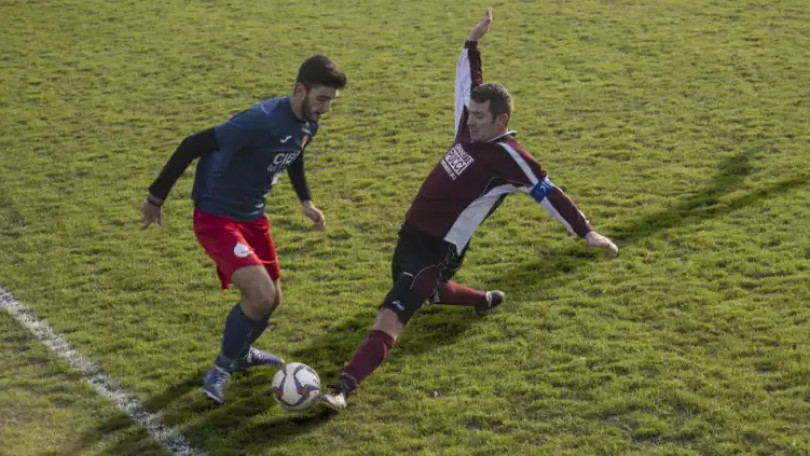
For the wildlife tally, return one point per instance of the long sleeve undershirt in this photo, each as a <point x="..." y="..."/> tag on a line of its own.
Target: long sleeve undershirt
<point x="204" y="142"/>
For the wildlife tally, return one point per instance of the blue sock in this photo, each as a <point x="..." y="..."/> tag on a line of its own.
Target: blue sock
<point x="258" y="329"/>
<point x="237" y="337"/>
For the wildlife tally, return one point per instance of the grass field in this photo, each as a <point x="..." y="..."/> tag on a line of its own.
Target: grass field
<point x="680" y="127"/>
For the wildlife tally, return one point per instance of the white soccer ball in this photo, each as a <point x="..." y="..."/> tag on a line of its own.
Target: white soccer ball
<point x="296" y="386"/>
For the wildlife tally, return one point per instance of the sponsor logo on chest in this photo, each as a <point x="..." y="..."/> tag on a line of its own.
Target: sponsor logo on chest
<point x="282" y="159"/>
<point x="455" y="161"/>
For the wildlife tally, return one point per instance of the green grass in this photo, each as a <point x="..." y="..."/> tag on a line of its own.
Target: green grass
<point x="679" y="127"/>
<point x="46" y="409"/>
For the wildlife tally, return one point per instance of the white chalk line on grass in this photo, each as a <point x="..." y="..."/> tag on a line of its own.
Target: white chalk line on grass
<point x="102" y="382"/>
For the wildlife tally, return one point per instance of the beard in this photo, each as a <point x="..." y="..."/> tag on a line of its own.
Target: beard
<point x="306" y="109"/>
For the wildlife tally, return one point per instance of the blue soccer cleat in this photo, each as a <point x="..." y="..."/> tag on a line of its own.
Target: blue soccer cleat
<point x="255" y="357"/>
<point x="214" y="384"/>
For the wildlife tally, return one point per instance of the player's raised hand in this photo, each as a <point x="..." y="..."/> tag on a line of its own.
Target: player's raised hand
<point x="482" y="28"/>
<point x="314" y="214"/>
<point x="151" y="212"/>
<point x="595" y="239"/>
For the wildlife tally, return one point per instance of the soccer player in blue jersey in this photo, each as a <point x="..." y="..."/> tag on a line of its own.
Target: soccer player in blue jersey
<point x="240" y="161"/>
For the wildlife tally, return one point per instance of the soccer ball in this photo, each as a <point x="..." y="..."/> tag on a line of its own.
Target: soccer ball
<point x="296" y="386"/>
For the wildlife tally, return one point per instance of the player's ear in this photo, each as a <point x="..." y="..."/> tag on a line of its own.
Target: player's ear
<point x="502" y="120"/>
<point x="299" y="89"/>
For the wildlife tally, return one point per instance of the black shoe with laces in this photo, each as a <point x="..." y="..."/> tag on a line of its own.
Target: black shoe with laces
<point x="494" y="299"/>
<point x="336" y="398"/>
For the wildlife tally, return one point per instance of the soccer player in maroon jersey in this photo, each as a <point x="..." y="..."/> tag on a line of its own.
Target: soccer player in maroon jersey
<point x="484" y="165"/>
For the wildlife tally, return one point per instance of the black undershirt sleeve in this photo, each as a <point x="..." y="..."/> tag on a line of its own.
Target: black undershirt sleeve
<point x="298" y="179"/>
<point x="192" y="147"/>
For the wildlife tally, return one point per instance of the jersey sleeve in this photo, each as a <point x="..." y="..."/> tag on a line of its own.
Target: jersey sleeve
<point x="468" y="76"/>
<point x="240" y="130"/>
<point x="192" y="147"/>
<point x="298" y="178"/>
<point x="523" y="170"/>
<point x="557" y="203"/>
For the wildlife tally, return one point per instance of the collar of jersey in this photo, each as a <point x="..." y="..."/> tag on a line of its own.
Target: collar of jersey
<point x="505" y="137"/>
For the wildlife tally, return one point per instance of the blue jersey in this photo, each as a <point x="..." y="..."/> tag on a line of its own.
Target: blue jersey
<point x="255" y="145"/>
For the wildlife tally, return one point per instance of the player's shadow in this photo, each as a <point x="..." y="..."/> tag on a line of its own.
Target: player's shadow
<point x="205" y="425"/>
<point x="430" y="328"/>
<point x="703" y="204"/>
<point x="436" y="326"/>
<point x="707" y="203"/>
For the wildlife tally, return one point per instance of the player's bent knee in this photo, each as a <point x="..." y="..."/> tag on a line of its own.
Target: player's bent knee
<point x="257" y="308"/>
<point x="259" y="294"/>
<point x="277" y="300"/>
<point x="259" y="302"/>
<point x="402" y="300"/>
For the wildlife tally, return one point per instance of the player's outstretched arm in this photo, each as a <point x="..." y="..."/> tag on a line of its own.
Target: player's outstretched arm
<point x="469" y="75"/>
<point x="557" y="203"/>
<point x="595" y="239"/>
<point x="482" y="28"/>
<point x="192" y="147"/>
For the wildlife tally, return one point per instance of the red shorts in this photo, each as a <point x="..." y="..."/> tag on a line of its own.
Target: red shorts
<point x="233" y="244"/>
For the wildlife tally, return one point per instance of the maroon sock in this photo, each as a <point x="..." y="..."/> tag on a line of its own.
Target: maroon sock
<point x="454" y="294"/>
<point x="369" y="356"/>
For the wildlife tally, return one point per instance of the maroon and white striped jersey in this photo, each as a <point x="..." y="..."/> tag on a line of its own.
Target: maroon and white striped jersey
<point x="473" y="178"/>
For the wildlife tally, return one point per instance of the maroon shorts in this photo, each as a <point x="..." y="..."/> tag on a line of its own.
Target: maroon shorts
<point x="233" y="244"/>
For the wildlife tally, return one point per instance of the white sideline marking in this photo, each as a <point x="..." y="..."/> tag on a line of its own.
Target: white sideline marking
<point x="101" y="381"/>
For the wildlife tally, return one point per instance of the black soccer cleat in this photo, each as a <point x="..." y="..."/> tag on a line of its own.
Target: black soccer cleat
<point x="494" y="299"/>
<point x="336" y="399"/>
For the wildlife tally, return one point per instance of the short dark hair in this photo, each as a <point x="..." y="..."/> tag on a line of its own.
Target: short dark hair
<point x="500" y="100"/>
<point x="320" y="70"/>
